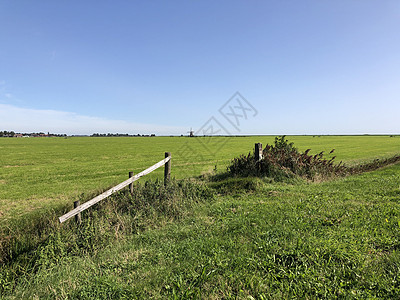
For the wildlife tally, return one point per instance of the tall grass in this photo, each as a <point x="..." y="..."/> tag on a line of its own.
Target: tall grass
<point x="283" y="160"/>
<point x="44" y="243"/>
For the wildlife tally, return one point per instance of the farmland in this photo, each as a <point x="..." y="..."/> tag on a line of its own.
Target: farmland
<point x="47" y="173"/>
<point x="211" y="239"/>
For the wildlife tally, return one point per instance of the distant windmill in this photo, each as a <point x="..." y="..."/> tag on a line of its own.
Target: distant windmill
<point x="191" y="132"/>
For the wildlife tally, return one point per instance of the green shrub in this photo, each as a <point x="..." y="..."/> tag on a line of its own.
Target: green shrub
<point x="282" y="160"/>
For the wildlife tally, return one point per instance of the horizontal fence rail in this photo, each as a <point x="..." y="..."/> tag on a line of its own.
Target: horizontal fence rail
<point x="118" y="187"/>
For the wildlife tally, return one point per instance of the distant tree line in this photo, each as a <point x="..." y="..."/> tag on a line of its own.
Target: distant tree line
<point x="119" y="134"/>
<point x="6" y="133"/>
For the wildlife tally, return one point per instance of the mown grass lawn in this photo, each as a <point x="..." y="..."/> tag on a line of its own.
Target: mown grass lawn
<point x="256" y="239"/>
<point x="39" y="174"/>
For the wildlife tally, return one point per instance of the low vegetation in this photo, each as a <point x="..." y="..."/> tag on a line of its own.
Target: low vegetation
<point x="41" y="174"/>
<point x="283" y="160"/>
<point x="124" y="214"/>
<point x="220" y="237"/>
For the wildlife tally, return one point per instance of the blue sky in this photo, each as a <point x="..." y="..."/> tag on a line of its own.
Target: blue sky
<point x="306" y="67"/>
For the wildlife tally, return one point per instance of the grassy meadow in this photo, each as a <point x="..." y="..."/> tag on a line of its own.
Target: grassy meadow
<point x="210" y="237"/>
<point x="48" y="173"/>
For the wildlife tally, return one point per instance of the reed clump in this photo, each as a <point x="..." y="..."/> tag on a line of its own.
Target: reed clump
<point x="283" y="160"/>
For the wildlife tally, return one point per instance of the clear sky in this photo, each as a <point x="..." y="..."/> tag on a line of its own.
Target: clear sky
<point x="306" y="67"/>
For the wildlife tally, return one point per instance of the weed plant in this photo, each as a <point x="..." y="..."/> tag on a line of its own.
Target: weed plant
<point x="282" y="161"/>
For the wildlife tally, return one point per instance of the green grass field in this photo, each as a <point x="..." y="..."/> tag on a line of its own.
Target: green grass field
<point x="234" y="238"/>
<point x="47" y="173"/>
<point x="254" y="239"/>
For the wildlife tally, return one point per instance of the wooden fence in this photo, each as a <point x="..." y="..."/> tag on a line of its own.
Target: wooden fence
<point x="79" y="208"/>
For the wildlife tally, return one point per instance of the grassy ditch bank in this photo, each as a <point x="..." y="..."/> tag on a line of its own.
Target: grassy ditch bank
<point x="258" y="238"/>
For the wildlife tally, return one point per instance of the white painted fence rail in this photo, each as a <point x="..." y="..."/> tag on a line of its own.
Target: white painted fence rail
<point x="86" y="205"/>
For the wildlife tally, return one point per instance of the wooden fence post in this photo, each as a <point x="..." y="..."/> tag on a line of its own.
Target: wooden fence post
<point x="78" y="219"/>
<point x="131" y="184"/>
<point x="167" y="169"/>
<point x="258" y="152"/>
